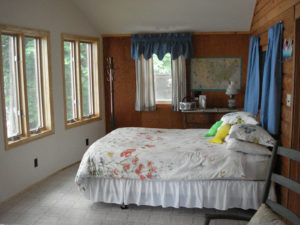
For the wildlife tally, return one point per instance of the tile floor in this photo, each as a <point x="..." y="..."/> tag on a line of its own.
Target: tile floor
<point x="58" y="202"/>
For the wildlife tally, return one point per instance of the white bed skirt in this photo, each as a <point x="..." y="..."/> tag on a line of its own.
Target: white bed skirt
<point x="218" y="194"/>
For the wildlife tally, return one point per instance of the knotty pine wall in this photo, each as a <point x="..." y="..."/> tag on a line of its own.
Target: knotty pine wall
<point x="266" y="14"/>
<point x="206" y="45"/>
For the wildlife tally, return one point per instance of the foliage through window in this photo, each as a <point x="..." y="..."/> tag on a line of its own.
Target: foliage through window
<point x="81" y="80"/>
<point x="34" y="83"/>
<point x="163" y="78"/>
<point x="86" y="79"/>
<point x="11" y="85"/>
<point x="26" y="97"/>
<point x="70" y="81"/>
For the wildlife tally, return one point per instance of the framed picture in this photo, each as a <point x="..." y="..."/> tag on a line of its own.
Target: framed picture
<point x="215" y="73"/>
<point x="287" y="50"/>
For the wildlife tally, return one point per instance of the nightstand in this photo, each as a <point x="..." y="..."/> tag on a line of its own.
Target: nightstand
<point x="204" y="118"/>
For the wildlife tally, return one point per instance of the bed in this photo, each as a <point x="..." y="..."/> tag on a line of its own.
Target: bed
<point x="170" y="168"/>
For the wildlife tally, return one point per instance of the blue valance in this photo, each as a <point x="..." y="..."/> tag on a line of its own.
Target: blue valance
<point x="160" y="44"/>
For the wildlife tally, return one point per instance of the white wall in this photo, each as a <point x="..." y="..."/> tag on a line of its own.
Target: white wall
<point x="65" y="146"/>
<point x="155" y="16"/>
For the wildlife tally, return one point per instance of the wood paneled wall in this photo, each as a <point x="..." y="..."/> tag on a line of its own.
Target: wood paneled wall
<point x="222" y="45"/>
<point x="206" y="45"/>
<point x="124" y="83"/>
<point x="295" y="167"/>
<point x="266" y="14"/>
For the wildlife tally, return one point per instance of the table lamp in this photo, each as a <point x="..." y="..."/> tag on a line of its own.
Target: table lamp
<point x="231" y="91"/>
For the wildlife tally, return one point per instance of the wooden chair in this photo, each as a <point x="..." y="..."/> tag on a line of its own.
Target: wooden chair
<point x="272" y="177"/>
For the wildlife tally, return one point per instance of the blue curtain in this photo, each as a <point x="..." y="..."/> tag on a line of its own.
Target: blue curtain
<point x="272" y="78"/>
<point x="175" y="43"/>
<point x="253" y="78"/>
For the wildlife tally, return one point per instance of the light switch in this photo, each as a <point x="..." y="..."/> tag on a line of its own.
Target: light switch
<point x="288" y="100"/>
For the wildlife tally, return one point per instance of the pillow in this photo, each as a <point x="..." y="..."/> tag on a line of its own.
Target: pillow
<point x="246" y="147"/>
<point x="227" y="138"/>
<point x="213" y="130"/>
<point x="265" y="215"/>
<point x="239" y="118"/>
<point x="251" y="133"/>
<point x="221" y="134"/>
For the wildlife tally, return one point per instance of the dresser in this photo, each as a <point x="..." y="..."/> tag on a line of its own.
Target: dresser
<point x="204" y="118"/>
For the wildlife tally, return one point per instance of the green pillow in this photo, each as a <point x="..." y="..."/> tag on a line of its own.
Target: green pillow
<point x="213" y="130"/>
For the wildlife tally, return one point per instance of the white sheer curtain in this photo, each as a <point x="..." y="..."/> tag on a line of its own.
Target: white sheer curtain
<point x="145" y="96"/>
<point x="178" y="81"/>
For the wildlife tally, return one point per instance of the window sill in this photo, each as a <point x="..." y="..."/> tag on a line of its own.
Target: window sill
<point x="32" y="137"/>
<point x="82" y="122"/>
<point x="163" y="103"/>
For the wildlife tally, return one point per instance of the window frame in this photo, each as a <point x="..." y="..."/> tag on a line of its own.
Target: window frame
<point x="95" y="53"/>
<point x="46" y="79"/>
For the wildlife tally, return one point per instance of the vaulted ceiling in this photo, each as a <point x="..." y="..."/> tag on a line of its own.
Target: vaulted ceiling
<point x="136" y="16"/>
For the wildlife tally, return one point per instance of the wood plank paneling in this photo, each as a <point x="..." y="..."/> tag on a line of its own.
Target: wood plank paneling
<point x="206" y="45"/>
<point x="287" y="81"/>
<point x="266" y="14"/>
<point x="295" y="167"/>
<point x="124" y="83"/>
<point x="162" y="118"/>
<point x="297" y="11"/>
<point x="260" y="6"/>
<point x="286" y="113"/>
<point x="288" y="67"/>
<point x="285" y="137"/>
<point x="260" y="13"/>
<point x="223" y="46"/>
<point x="277" y="9"/>
<point x="286" y="17"/>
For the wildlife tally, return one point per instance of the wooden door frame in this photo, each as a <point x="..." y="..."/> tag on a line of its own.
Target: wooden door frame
<point x="294" y="167"/>
<point x="296" y="100"/>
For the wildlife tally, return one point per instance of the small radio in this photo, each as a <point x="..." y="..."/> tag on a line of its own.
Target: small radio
<point x="187" y="106"/>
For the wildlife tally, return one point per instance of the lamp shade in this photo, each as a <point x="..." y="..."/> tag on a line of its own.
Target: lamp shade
<point x="231" y="89"/>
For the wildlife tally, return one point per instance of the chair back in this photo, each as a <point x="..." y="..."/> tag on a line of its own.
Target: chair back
<point x="283" y="181"/>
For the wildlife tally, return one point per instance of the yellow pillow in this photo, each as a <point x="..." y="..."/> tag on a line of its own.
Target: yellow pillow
<point x="221" y="134"/>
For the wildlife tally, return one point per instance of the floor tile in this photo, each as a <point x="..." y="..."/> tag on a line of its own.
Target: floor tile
<point x="57" y="201"/>
<point x="9" y="217"/>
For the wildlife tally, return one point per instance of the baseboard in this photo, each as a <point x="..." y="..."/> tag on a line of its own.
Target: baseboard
<point x="37" y="183"/>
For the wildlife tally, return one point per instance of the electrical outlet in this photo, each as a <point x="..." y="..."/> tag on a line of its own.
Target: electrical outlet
<point x="36" y="164"/>
<point x="288" y="100"/>
<point x="86" y="141"/>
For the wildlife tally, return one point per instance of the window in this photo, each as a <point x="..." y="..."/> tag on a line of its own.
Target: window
<point x="81" y="79"/>
<point x="163" y="79"/>
<point x="25" y="79"/>
<point x="34" y="83"/>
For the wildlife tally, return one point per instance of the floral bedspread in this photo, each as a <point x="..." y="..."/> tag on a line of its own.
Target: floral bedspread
<point x="159" y="154"/>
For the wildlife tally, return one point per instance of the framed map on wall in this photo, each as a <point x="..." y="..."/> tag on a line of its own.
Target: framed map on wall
<point x="214" y="74"/>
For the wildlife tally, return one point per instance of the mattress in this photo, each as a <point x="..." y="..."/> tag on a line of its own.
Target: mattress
<point x="256" y="166"/>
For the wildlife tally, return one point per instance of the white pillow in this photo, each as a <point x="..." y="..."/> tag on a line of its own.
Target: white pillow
<point x="265" y="215"/>
<point x="239" y="118"/>
<point x="251" y="133"/>
<point x="247" y="147"/>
